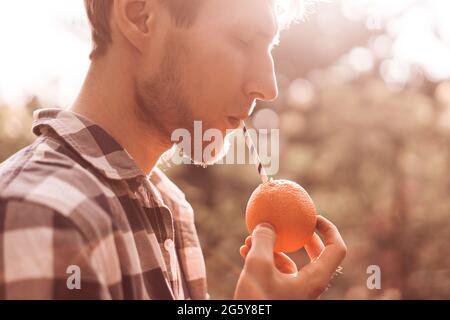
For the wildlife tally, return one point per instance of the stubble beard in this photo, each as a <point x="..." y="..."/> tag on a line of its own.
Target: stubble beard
<point x="163" y="106"/>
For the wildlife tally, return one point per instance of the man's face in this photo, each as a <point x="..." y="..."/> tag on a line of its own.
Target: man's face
<point x="213" y="71"/>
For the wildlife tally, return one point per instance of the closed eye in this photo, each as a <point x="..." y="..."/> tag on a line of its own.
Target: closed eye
<point x="244" y="42"/>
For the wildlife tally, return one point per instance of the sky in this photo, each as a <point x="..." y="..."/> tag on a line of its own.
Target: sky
<point x="44" y="45"/>
<point x="44" y="49"/>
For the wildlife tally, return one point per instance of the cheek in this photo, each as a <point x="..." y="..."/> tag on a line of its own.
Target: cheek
<point x="228" y="67"/>
<point x="221" y="73"/>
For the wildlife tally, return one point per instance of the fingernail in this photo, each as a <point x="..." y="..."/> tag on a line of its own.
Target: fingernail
<point x="264" y="225"/>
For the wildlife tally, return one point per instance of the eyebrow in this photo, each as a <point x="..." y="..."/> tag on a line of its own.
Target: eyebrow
<point x="271" y="32"/>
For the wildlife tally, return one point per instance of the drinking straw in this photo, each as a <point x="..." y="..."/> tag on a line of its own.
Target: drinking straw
<point x="254" y="154"/>
<point x="262" y="172"/>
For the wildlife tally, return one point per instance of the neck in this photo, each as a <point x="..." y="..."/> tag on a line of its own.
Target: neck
<point x="107" y="99"/>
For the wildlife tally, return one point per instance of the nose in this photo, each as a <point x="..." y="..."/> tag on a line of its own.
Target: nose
<point x="262" y="83"/>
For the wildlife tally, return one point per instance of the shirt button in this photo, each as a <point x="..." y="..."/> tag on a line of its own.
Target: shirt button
<point x="168" y="244"/>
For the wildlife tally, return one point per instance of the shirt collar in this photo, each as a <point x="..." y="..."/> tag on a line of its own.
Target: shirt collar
<point x="90" y="141"/>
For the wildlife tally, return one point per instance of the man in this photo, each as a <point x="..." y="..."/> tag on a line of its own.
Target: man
<point x="85" y="213"/>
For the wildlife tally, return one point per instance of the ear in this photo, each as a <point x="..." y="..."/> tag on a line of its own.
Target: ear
<point x="135" y="20"/>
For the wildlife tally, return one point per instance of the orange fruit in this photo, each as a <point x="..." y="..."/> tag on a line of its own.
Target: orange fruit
<point x="288" y="208"/>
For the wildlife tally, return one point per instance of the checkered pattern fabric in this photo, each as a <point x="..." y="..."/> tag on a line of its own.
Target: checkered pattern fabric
<point x="76" y="199"/>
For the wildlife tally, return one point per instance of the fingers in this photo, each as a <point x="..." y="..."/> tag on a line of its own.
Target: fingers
<point x="263" y="242"/>
<point x="335" y="248"/>
<point x="314" y="247"/>
<point x="246" y="247"/>
<point x="244" y="251"/>
<point x="260" y="258"/>
<point x="327" y="257"/>
<point x="318" y="274"/>
<point x="283" y="263"/>
<point x="248" y="241"/>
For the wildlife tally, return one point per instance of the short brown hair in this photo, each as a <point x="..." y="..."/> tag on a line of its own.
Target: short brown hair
<point x="99" y="14"/>
<point x="183" y="14"/>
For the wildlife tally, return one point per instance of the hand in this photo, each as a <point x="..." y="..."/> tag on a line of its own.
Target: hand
<point x="270" y="276"/>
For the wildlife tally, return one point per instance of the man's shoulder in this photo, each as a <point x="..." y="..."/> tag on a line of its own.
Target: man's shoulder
<point x="48" y="173"/>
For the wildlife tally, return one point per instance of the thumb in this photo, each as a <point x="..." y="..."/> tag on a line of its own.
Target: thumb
<point x="263" y="242"/>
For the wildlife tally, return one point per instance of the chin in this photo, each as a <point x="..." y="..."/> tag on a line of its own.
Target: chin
<point x="211" y="158"/>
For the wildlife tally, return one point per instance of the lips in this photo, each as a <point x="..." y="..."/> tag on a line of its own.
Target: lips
<point x="241" y="117"/>
<point x="236" y="120"/>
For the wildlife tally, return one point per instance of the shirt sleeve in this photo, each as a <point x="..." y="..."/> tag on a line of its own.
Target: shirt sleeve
<point x="44" y="255"/>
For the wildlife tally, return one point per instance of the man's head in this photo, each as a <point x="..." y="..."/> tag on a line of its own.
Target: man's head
<point x="191" y="60"/>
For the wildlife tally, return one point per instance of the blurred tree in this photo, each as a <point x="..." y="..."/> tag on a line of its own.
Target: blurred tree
<point x="373" y="156"/>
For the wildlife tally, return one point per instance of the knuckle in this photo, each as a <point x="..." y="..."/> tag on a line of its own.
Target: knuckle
<point x="342" y="251"/>
<point x="264" y="232"/>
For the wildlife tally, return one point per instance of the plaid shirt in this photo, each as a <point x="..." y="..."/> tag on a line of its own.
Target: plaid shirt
<point x="74" y="206"/>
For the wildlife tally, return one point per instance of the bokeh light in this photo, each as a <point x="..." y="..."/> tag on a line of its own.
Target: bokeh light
<point x="364" y="120"/>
